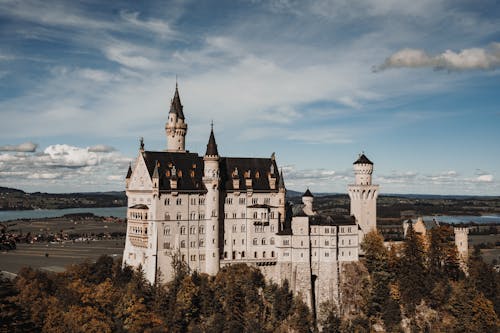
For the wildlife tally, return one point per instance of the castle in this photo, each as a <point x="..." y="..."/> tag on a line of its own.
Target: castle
<point x="214" y="211"/>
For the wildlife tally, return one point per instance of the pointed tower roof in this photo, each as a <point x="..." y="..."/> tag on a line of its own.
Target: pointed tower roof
<point x="308" y="194"/>
<point x="129" y="172"/>
<point x="212" y="145"/>
<point x="281" y="183"/>
<point x="363" y="160"/>
<point x="176" y="106"/>
<point x="155" y="172"/>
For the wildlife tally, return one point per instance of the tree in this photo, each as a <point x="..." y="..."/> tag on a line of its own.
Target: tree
<point x="412" y="274"/>
<point x="328" y="318"/>
<point x="485" y="278"/>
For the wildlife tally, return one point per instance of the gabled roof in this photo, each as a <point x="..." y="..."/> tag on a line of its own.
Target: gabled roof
<point x="331" y="220"/>
<point x="176" y="106"/>
<point x="257" y="168"/>
<point x="363" y="160"/>
<point x="139" y="206"/>
<point x="186" y="168"/>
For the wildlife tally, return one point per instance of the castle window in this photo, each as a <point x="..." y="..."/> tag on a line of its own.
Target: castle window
<point x="264" y="254"/>
<point x="234" y="228"/>
<point x="192" y="244"/>
<point x="234" y="255"/>
<point x="183" y="257"/>
<point x="286" y="254"/>
<point x="327" y="230"/>
<point x="349" y="242"/>
<point x="167" y="216"/>
<point x="166" y="245"/>
<point x="243" y="254"/>
<point x="254" y="215"/>
<point x="271" y="215"/>
<point x="192" y="230"/>
<point x="263" y="216"/>
<point x="272" y="254"/>
<point x="302" y="255"/>
<point x="179" y="216"/>
<point x="242" y="242"/>
<point x="272" y="227"/>
<point x="342" y="242"/>
<point x="234" y="215"/>
<point x="255" y="241"/>
<point x="349" y="253"/>
<point x="201" y="230"/>
<point x="201" y="243"/>
<point x="327" y="254"/>
<point x="349" y="229"/>
<point x="166" y="231"/>
<point x="193" y="216"/>
<point x="271" y="241"/>
<point x="342" y="253"/>
<point x="255" y="201"/>
<point x="201" y="201"/>
<point x="201" y="216"/>
<point x="167" y="201"/>
<point x="225" y="254"/>
<point x="234" y="241"/>
<point x="327" y="243"/>
<point x="242" y="201"/>
<point x="255" y="254"/>
<point x="342" y="229"/>
<point x="225" y="215"/>
<point x="301" y="243"/>
<point x="202" y="257"/>
<point x="263" y="241"/>
<point x="213" y="213"/>
<point x="267" y="201"/>
<point x="229" y="201"/>
<point x="286" y="242"/>
<point x="183" y="230"/>
<point x="193" y="257"/>
<point x="242" y="215"/>
<point x="183" y="244"/>
<point x="193" y="201"/>
<point x="178" y="201"/>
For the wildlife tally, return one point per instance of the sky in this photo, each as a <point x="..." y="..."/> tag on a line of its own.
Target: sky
<point x="415" y="85"/>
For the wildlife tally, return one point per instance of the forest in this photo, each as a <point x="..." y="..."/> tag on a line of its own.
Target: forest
<point x="418" y="286"/>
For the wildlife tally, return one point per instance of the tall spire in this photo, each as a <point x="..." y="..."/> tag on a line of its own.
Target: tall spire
<point x="176" y="106"/>
<point x="212" y="145"/>
<point x="281" y="183"/>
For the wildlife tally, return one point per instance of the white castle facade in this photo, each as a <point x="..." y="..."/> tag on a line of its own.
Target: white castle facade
<point x="214" y="211"/>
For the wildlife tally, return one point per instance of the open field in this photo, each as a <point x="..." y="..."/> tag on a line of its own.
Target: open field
<point x="59" y="256"/>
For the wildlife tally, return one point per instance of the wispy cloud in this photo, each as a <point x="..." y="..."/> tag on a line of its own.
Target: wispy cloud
<point x="28" y="147"/>
<point x="466" y="59"/>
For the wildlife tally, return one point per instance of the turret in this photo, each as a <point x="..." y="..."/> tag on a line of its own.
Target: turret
<point x="176" y="128"/>
<point x="211" y="179"/>
<point x="307" y="200"/>
<point x="129" y="175"/>
<point x="363" y="195"/>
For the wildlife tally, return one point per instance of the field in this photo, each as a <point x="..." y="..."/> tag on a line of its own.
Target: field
<point x="55" y="257"/>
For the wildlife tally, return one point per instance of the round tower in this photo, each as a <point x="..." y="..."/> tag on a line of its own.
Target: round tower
<point x="307" y="200"/>
<point x="176" y="127"/>
<point x="363" y="195"/>
<point x="211" y="179"/>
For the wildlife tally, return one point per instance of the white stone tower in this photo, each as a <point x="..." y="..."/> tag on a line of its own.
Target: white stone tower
<point x="307" y="200"/>
<point x="176" y="127"/>
<point x="363" y="195"/>
<point x="462" y="243"/>
<point x="211" y="179"/>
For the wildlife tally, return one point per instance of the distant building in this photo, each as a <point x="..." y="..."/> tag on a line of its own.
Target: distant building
<point x="214" y="211"/>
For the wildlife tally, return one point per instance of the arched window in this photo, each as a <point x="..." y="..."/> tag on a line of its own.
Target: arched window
<point x="271" y="241"/>
<point x="183" y="230"/>
<point x="183" y="244"/>
<point x="167" y="216"/>
<point x="272" y="254"/>
<point x="264" y="254"/>
<point x="255" y="241"/>
<point x="263" y="241"/>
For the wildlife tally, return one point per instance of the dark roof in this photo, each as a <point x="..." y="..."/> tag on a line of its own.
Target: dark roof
<point x="129" y="172"/>
<point x="363" y="160"/>
<point x="261" y="206"/>
<point x="212" y="145"/>
<point x="281" y="183"/>
<point x="188" y="169"/>
<point x="257" y="168"/>
<point x="332" y="220"/>
<point x="139" y="206"/>
<point x="308" y="194"/>
<point x="176" y="106"/>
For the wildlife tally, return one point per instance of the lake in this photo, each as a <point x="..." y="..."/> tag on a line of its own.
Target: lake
<point x="455" y="219"/>
<point x="41" y="213"/>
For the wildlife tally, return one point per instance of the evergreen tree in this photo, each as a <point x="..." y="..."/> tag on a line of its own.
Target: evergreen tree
<point x="412" y="275"/>
<point x="329" y="319"/>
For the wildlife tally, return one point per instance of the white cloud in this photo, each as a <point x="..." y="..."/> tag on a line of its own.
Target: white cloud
<point x="157" y="26"/>
<point x="101" y="149"/>
<point x="28" y="147"/>
<point x="467" y="59"/>
<point x="485" y="178"/>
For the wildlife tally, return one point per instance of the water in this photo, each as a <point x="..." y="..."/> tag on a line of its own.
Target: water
<point x="455" y="219"/>
<point x="32" y="214"/>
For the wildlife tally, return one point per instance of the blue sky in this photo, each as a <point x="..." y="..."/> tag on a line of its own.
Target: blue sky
<point x="413" y="84"/>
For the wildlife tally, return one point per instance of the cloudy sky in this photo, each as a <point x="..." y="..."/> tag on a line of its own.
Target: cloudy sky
<point x="413" y="84"/>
